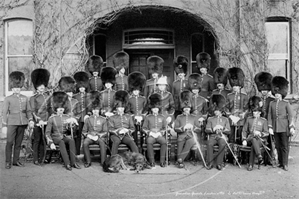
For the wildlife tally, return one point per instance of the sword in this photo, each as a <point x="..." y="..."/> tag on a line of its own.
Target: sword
<point x="199" y="148"/>
<point x="231" y="150"/>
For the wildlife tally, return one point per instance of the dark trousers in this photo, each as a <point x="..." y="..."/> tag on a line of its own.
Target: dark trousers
<point x="255" y="149"/>
<point x="86" y="150"/>
<point x="163" y="148"/>
<point x="62" y="148"/>
<point x="116" y="141"/>
<point x="15" y="134"/>
<point x="282" y="146"/>
<point x="210" y="149"/>
<point x="38" y="144"/>
<point x="184" y="146"/>
<point x="78" y="138"/>
<point x="238" y="131"/>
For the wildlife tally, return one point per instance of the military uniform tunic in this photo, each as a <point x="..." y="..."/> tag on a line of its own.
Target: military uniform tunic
<point x="95" y="84"/>
<point x="107" y="100"/>
<point x="207" y="85"/>
<point x="178" y="86"/>
<point x="121" y="82"/>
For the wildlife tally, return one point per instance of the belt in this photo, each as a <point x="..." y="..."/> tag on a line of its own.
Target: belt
<point x="203" y="89"/>
<point x="282" y="117"/>
<point x="12" y="112"/>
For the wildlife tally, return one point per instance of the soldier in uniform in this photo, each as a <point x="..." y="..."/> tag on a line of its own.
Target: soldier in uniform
<point x="207" y="81"/>
<point x="236" y="103"/>
<point x="155" y="127"/>
<point x="137" y="103"/>
<point x="94" y="65"/>
<point x="220" y="80"/>
<point x="263" y="82"/>
<point x="40" y="78"/>
<point x="82" y="86"/>
<point x="16" y="113"/>
<point x="121" y="124"/>
<point x="94" y="130"/>
<point x="108" y="77"/>
<point x="121" y="64"/>
<point x="180" y="66"/>
<point x="184" y="125"/>
<point x="216" y="127"/>
<point x="280" y="120"/>
<point x="254" y="130"/>
<point x="155" y="65"/>
<point x="58" y="130"/>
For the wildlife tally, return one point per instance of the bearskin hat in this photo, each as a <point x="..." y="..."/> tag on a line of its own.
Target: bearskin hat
<point x="155" y="64"/>
<point x="94" y="100"/>
<point x="121" y="60"/>
<point x="180" y="64"/>
<point x="108" y="74"/>
<point x="263" y="81"/>
<point x="40" y="76"/>
<point x="220" y="76"/>
<point x="136" y="81"/>
<point x="16" y="79"/>
<point x="217" y="102"/>
<point x="94" y="64"/>
<point x="203" y="60"/>
<point x="60" y="100"/>
<point x="121" y="98"/>
<point x="194" y="81"/>
<point x="280" y="85"/>
<point x="67" y="84"/>
<point x="185" y="99"/>
<point x="82" y="80"/>
<point x="154" y="101"/>
<point x="255" y="103"/>
<point x="236" y="77"/>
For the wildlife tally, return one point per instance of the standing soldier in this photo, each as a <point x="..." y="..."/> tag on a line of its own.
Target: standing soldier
<point x="59" y="129"/>
<point x="220" y="80"/>
<point x="254" y="130"/>
<point x="121" y="64"/>
<point x="155" y="127"/>
<point x="263" y="82"/>
<point x="280" y="120"/>
<point x="236" y="103"/>
<point x="207" y="81"/>
<point x="94" y="65"/>
<point x="121" y="124"/>
<point x="216" y="127"/>
<point x="184" y="125"/>
<point x="40" y="78"/>
<point x="137" y="103"/>
<point x="108" y="77"/>
<point x="155" y="65"/>
<point x="16" y="113"/>
<point x="82" y="85"/>
<point x="180" y="66"/>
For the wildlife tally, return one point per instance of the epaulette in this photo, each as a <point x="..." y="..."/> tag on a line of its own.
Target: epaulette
<point x="263" y="118"/>
<point x="209" y="75"/>
<point x="216" y="90"/>
<point x="285" y="100"/>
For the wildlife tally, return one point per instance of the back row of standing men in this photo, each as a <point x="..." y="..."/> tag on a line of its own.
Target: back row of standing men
<point x="109" y="88"/>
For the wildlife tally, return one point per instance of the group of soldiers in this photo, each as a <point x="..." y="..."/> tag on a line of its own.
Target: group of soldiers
<point x="104" y="106"/>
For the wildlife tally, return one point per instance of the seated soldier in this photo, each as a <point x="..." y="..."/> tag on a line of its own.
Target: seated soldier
<point x="216" y="127"/>
<point x="155" y="127"/>
<point x="255" y="128"/>
<point x="59" y="127"/>
<point x="184" y="125"/>
<point x="121" y="125"/>
<point x="94" y="131"/>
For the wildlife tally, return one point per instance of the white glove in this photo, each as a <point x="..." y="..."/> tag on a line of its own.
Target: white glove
<point x="169" y="119"/>
<point x="138" y="118"/>
<point x="109" y="114"/>
<point x="85" y="117"/>
<point x="201" y="119"/>
<point x="123" y="131"/>
<point x="257" y="133"/>
<point x="41" y="123"/>
<point x="52" y="146"/>
<point x="93" y="137"/>
<point x="155" y="134"/>
<point x="234" y="119"/>
<point x="292" y="131"/>
<point x="31" y="124"/>
<point x="271" y="132"/>
<point x="244" y="143"/>
<point x="188" y="126"/>
<point x="72" y="121"/>
<point x="218" y="127"/>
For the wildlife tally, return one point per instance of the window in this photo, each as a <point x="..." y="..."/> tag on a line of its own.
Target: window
<point x="197" y="46"/>
<point x="278" y="38"/>
<point x="100" y="46"/>
<point x="148" y="38"/>
<point x="18" y="51"/>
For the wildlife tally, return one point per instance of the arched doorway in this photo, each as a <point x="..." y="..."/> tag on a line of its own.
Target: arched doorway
<point x="155" y="30"/>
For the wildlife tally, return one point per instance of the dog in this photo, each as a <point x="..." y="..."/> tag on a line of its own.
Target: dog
<point x="27" y="144"/>
<point x="124" y="161"/>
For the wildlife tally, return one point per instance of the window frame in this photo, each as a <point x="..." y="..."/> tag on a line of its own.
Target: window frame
<point x="7" y="56"/>
<point x="281" y="56"/>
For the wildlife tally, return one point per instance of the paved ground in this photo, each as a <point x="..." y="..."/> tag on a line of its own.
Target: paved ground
<point x="53" y="181"/>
